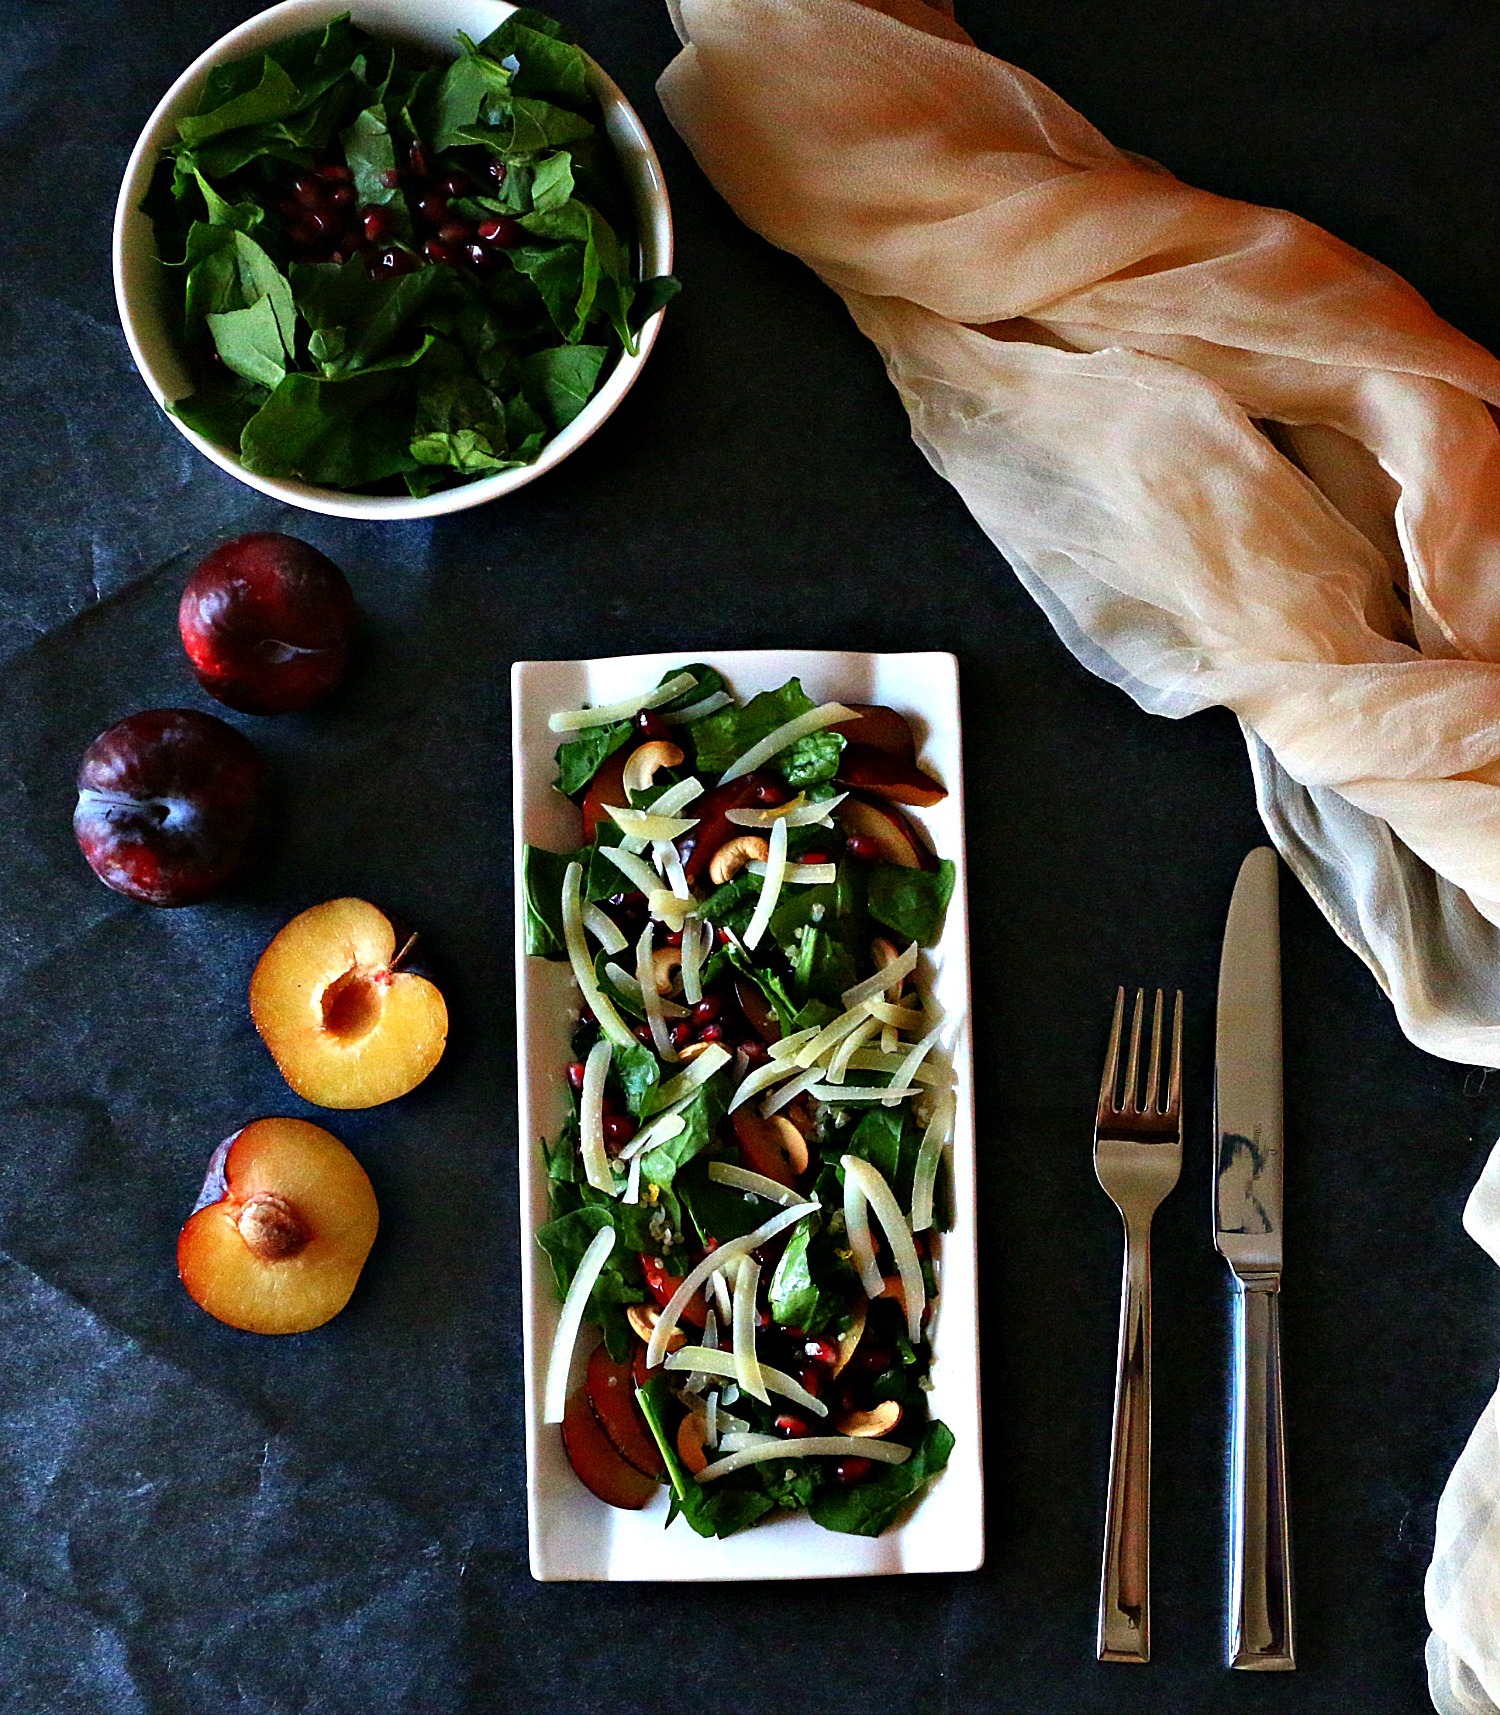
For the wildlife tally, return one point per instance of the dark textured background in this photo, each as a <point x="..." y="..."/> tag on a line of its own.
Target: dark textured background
<point x="195" y="1519"/>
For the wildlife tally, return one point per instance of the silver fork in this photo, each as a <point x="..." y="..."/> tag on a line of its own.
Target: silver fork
<point x="1137" y="1156"/>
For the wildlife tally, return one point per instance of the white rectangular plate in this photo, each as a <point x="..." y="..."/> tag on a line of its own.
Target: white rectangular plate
<point x="572" y="1534"/>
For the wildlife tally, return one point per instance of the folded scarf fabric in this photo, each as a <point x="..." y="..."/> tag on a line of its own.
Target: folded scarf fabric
<point x="1236" y="461"/>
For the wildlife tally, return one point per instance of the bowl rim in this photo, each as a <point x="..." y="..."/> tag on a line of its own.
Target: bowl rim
<point x="131" y="229"/>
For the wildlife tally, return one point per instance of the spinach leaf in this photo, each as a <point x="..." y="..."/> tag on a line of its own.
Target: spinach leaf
<point x="220" y="411"/>
<point x="565" y="1240"/>
<point x="793" y="1293"/>
<point x="274" y="97"/>
<point x="724" y="736"/>
<point x="889" y="1140"/>
<point x="581" y="757"/>
<point x="813" y="759"/>
<point x="542" y="881"/>
<point x="373" y="312"/>
<point x="639" y="1072"/>
<point x="707" y="682"/>
<point x="868" y="1507"/>
<point x="226" y="271"/>
<point x="371" y="155"/>
<point x="549" y="64"/>
<point x="910" y="901"/>
<point x="651" y="296"/>
<point x="823" y="967"/>
<point x="559" y="380"/>
<point x="717" y="1211"/>
<point x="249" y="342"/>
<point x="471" y="83"/>
<point x="715" y="1509"/>
<point x="552" y="182"/>
<point x="700" y="1117"/>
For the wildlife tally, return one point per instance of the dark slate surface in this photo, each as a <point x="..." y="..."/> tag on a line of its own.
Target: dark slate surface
<point x="199" y="1519"/>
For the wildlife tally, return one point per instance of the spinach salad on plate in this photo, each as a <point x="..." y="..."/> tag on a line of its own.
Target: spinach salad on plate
<point x="747" y="1194"/>
<point x="393" y="276"/>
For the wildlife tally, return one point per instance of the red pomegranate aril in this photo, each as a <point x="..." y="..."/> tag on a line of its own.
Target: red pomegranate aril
<point x="708" y="1009"/>
<point x="821" y="1351"/>
<point x="334" y="171"/>
<point x="769" y="792"/>
<point x="377" y="224"/>
<point x="575" y="1074"/>
<point x="811" y="1378"/>
<point x="723" y="936"/>
<point x="681" y="1033"/>
<point x="443" y="254"/>
<point x="456" y="185"/>
<point x="848" y="1472"/>
<point x="619" y="1129"/>
<point x="390" y="178"/>
<point x="342" y="196"/>
<point x="711" y="1033"/>
<point x="433" y="210"/>
<point x="479" y="258"/>
<point x="501" y="232"/>
<point x="815" y="857"/>
<point x="861" y="846"/>
<point x="874" y="1359"/>
<point x="789" y="1424"/>
<point x="456" y="232"/>
<point x="301" y="236"/>
<point x="756" y="1052"/>
<point x="289" y="208"/>
<point x="496" y="170"/>
<point x="308" y="192"/>
<point x="650" y="725"/>
<point x="643" y="1034"/>
<point x="416" y="159"/>
<point x="338" y="258"/>
<point x="318" y="222"/>
<point x="673" y="937"/>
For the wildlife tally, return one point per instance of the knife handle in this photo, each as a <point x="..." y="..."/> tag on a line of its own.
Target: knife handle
<point x="1260" y="1576"/>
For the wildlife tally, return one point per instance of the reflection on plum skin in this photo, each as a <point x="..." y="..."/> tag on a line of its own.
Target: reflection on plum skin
<point x="1241" y="1163"/>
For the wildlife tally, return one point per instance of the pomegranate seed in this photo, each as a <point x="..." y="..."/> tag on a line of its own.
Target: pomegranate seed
<point x="443" y="254"/>
<point x="377" y="224"/>
<point x="768" y="792"/>
<point x="390" y="178"/>
<point x="433" y="209"/>
<point x="342" y="196"/>
<point x="480" y="259"/>
<point x="416" y="159"/>
<point x="821" y="1351"/>
<point x="618" y="1128"/>
<point x="338" y="258"/>
<point x="301" y="236"/>
<point x="850" y="1471"/>
<point x="789" y="1424"/>
<point x="335" y="171"/>
<point x="396" y="262"/>
<point x="643" y="1034"/>
<point x="456" y="232"/>
<point x="756" y="1052"/>
<point x="575" y="1074"/>
<point x="711" y="1033"/>
<point x="723" y="937"/>
<point x="308" y="192"/>
<point x="681" y="1033"/>
<point x="289" y="208"/>
<point x="863" y="847"/>
<point x="317" y="222"/>
<point x="496" y="170"/>
<point x="708" y="1009"/>
<point x="501" y="232"/>
<point x="457" y="185"/>
<point x="674" y="937"/>
<point x="815" y="857"/>
<point x="874" y="1359"/>
<point x="811" y="1378"/>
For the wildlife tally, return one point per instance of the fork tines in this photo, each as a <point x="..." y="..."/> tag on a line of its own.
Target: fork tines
<point x="1116" y="1104"/>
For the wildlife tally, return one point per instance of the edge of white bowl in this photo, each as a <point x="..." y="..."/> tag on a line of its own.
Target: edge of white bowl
<point x="134" y="260"/>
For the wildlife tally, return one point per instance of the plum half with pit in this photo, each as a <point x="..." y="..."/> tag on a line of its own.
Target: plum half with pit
<point x="267" y="623"/>
<point x="168" y="803"/>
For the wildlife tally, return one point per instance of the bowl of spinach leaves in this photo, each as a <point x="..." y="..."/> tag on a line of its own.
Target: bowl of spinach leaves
<point x="392" y="258"/>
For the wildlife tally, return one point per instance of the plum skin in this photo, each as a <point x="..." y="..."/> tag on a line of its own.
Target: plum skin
<point x="267" y="622"/>
<point x="168" y="802"/>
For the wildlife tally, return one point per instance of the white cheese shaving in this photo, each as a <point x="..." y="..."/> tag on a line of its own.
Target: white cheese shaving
<point x="726" y="1173"/>
<point x="631" y="989"/>
<point x="711" y="1421"/>
<point x="828" y="1038"/>
<point x="861" y="1244"/>
<point x="715" y="1260"/>
<point x="604" y="929"/>
<point x="650" y="825"/>
<point x="898" y="1017"/>
<point x="747" y="1370"/>
<point x="789" y="1092"/>
<point x="697" y="1071"/>
<point x="873" y="988"/>
<point x="825" y="715"/>
<point x="693" y="955"/>
<point x="797" y="813"/>
<point x="906" y="1073"/>
<point x="660" y="1128"/>
<point x="677" y="797"/>
<point x="602" y="1007"/>
<point x="596" y="1167"/>
<point x="887" y="1094"/>
<point x="787" y="1047"/>
<point x="636" y="870"/>
<point x="845" y="1052"/>
<point x="723" y="1364"/>
<point x="799" y="874"/>
<point x="882" y="1199"/>
<point x="632" y="1192"/>
<point x="720" y="1287"/>
<point x="929" y="1154"/>
<point x="808" y="1447"/>
<point x="934" y="1073"/>
<point x="736" y="1440"/>
<point x="770" y="887"/>
<point x="575" y="720"/>
<point x="760" y="1079"/>
<point x="645" y="975"/>
<point x="669" y="908"/>
<point x="670" y="864"/>
<point x="575" y="1302"/>
<point x="696" y="711"/>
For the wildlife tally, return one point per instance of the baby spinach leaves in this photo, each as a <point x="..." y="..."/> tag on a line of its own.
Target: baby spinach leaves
<point x="868" y="1507"/>
<point x="910" y="901"/>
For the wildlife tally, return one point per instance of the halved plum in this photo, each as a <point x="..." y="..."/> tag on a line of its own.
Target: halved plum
<point x="751" y="791"/>
<point x="661" y="1285"/>
<point x="881" y="727"/>
<point x="887" y="833"/>
<point x="600" y="1468"/>
<point x="893" y="778"/>
<point x="610" y="1387"/>
<point x="607" y="787"/>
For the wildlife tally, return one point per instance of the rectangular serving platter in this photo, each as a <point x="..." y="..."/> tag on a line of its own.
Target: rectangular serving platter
<point x="573" y="1535"/>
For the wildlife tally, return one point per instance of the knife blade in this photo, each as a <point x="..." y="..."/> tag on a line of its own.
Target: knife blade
<point x="1248" y="1231"/>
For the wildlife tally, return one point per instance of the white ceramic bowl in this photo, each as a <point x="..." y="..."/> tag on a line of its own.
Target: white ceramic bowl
<point x="429" y="25"/>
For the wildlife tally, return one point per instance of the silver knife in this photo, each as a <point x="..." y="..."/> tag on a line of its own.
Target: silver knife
<point x="1248" y="1232"/>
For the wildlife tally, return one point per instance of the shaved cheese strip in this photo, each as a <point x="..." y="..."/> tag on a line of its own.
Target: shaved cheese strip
<point x="760" y="1079"/>
<point x="935" y="1074"/>
<point x="636" y="870"/>
<point x="677" y="797"/>
<point x="697" y="1071"/>
<point x="799" y="874"/>
<point x="809" y="1447"/>
<point x="599" y="1003"/>
<point x="726" y="1173"/>
<point x="696" y="711"/>
<point x="649" y="825"/>
<point x="661" y="1128"/>
<point x="849" y="1047"/>
<point x="737" y="1440"/>
<point x="882" y="1199"/>
<point x="722" y="1299"/>
<point x="873" y="988"/>
<point x="889" y="1039"/>
<point x="666" y="907"/>
<point x="857" y="1226"/>
<point x="631" y="989"/>
<point x="590" y="1266"/>
<point x="575" y="720"/>
<point x="798" y="813"/>
<point x="604" y="929"/>
<point x="899" y="1017"/>
<point x="711" y="1330"/>
<point x="929" y="1154"/>
<point x="829" y="1037"/>
<point x="790" y="1092"/>
<point x="596" y="1168"/>
<point x="746" y="1364"/>
<point x="645" y="975"/>
<point x="692" y="950"/>
<point x="825" y="715"/>
<point x="722" y="1364"/>
<point x="787" y="1048"/>
<point x="888" y="1094"/>
<point x="716" y="1259"/>
<point x="670" y="864"/>
<point x="770" y="887"/>
<point x="907" y="1071"/>
<point x="711" y="1422"/>
<point x="632" y="1192"/>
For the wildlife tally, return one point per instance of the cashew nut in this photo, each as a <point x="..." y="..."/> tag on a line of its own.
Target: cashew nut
<point x="642" y="1318"/>
<point x="734" y="854"/>
<point x="885" y="954"/>
<point x="692" y="1435"/>
<point x="645" y="759"/>
<point x="665" y="964"/>
<point x="870" y="1425"/>
<point x="772" y="1147"/>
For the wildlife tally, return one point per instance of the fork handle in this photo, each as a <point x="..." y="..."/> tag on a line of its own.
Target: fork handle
<point x="1125" y="1578"/>
<point x="1260" y="1576"/>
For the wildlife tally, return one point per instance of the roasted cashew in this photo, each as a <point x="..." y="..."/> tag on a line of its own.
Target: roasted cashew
<point x="645" y="759"/>
<point x="734" y="854"/>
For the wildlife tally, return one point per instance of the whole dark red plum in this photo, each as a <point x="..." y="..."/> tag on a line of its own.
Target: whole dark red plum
<point x="266" y="622"/>
<point x="168" y="801"/>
